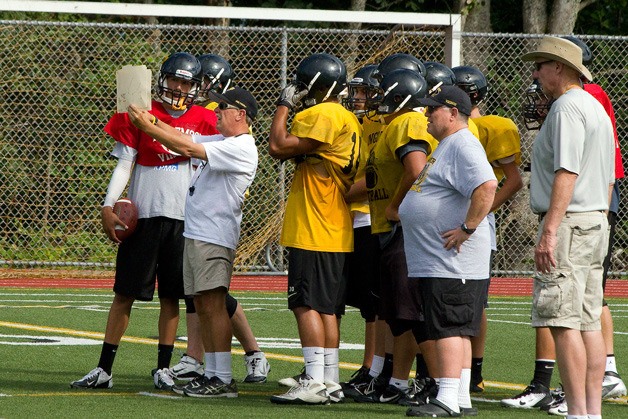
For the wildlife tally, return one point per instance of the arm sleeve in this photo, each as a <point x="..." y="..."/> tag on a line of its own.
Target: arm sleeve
<point x="119" y="179"/>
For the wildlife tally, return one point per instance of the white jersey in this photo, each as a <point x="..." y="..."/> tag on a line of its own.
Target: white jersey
<point x="213" y="208"/>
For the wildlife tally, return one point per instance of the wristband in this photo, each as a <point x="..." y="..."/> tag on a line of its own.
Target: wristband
<point x="466" y="229"/>
<point x="155" y="120"/>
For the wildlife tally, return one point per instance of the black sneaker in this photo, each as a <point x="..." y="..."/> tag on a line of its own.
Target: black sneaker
<point x="420" y="393"/>
<point x="536" y="395"/>
<point x="358" y="378"/>
<point x="374" y="388"/>
<point x="390" y="394"/>
<point x="212" y="387"/>
<point x="476" y="386"/>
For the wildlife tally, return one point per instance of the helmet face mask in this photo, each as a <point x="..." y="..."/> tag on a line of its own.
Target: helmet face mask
<point x="363" y="92"/>
<point x="400" y="89"/>
<point x="217" y="77"/>
<point x="536" y="107"/>
<point x="183" y="66"/>
<point x="472" y="81"/>
<point x="323" y="76"/>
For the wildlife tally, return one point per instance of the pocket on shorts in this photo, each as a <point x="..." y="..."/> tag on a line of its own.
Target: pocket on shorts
<point x="584" y="240"/>
<point x="552" y="294"/>
<point x="458" y="308"/>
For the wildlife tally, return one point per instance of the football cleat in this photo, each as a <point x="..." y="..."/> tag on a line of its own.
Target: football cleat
<point x="187" y="369"/>
<point x="612" y="386"/>
<point x="257" y="368"/>
<point x="211" y="388"/>
<point x="536" y="395"/>
<point x="334" y="390"/>
<point x="292" y="381"/>
<point x="163" y="379"/>
<point x="307" y="391"/>
<point x="358" y="378"/>
<point x="96" y="378"/>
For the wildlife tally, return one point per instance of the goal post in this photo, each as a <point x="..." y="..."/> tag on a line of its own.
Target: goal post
<point x="451" y="24"/>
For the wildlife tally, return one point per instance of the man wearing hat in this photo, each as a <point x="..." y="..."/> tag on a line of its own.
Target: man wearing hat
<point x="570" y="187"/>
<point x="447" y="245"/>
<point x="213" y="213"/>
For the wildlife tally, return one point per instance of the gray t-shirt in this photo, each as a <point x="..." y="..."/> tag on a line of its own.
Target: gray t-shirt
<point x="577" y="136"/>
<point x="437" y="202"/>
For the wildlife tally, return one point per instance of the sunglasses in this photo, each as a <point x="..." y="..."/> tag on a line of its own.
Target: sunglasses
<point x="224" y="105"/>
<point x="538" y="66"/>
<point x="432" y="109"/>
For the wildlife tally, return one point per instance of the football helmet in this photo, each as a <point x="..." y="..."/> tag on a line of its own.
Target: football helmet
<point x="397" y="61"/>
<point x="437" y="74"/>
<point x="472" y="81"/>
<point x="536" y="106"/>
<point x="401" y="89"/>
<point x="323" y="76"/>
<point x="217" y="74"/>
<point x="362" y="90"/>
<point x="184" y="66"/>
<point x="587" y="54"/>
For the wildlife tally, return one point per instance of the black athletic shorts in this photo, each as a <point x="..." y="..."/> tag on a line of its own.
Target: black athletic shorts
<point x="315" y="280"/>
<point x="400" y="298"/>
<point x="154" y="252"/>
<point x="362" y="273"/>
<point x="612" y="224"/>
<point x="452" y="307"/>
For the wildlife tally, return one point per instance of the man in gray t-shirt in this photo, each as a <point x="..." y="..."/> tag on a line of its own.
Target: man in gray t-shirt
<point x="570" y="187"/>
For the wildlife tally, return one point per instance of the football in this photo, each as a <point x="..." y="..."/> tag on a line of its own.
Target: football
<point x="126" y="210"/>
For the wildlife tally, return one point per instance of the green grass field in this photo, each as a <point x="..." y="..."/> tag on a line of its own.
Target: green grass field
<point x="49" y="337"/>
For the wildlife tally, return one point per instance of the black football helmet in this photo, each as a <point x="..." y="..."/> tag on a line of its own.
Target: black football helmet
<point x="587" y="54"/>
<point x="184" y="66"/>
<point x="437" y="74"/>
<point x="472" y="81"/>
<point x="397" y="61"/>
<point x="217" y="74"/>
<point x="401" y="89"/>
<point x="323" y="75"/>
<point x="364" y="80"/>
<point x="536" y="107"/>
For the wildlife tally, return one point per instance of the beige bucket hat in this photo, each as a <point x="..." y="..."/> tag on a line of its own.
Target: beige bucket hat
<point x="562" y="50"/>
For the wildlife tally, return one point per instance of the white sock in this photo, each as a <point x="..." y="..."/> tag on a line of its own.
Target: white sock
<point x="210" y="364"/>
<point x="577" y="417"/>
<point x="399" y="383"/>
<point x="376" y="366"/>
<point x="610" y="363"/>
<point x="314" y="357"/>
<point x="594" y="416"/>
<point x="464" y="397"/>
<point x="448" y="393"/>
<point x="223" y="367"/>
<point x="332" y="373"/>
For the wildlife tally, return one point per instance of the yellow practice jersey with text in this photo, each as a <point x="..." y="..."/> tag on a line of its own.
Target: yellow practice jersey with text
<point x="384" y="169"/>
<point x="317" y="216"/>
<point x="500" y="138"/>
<point x="371" y="129"/>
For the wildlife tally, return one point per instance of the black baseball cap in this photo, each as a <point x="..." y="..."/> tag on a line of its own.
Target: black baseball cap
<point x="240" y="98"/>
<point x="451" y="96"/>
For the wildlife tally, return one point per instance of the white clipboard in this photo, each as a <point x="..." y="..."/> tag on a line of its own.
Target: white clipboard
<point x="133" y="87"/>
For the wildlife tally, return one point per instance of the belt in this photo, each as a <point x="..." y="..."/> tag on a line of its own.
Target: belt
<point x="543" y="214"/>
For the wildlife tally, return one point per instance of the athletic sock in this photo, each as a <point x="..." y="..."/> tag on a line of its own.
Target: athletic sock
<point x="314" y="357"/>
<point x="543" y="369"/>
<point x="610" y="363"/>
<point x="464" y="397"/>
<point x="331" y="371"/>
<point x="376" y="366"/>
<point x="448" y="392"/>
<point x="387" y="369"/>
<point x="223" y="367"/>
<point x="164" y="355"/>
<point x="421" y="367"/>
<point x="476" y="370"/>
<point x="107" y="356"/>
<point x="210" y="364"/>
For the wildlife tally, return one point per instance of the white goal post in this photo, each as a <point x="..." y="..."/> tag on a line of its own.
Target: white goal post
<point x="451" y="24"/>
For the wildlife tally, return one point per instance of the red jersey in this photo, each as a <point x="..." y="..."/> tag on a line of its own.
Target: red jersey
<point x="597" y="92"/>
<point x="195" y="121"/>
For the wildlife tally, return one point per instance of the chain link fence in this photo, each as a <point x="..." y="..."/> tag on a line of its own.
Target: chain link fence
<point x="58" y="92"/>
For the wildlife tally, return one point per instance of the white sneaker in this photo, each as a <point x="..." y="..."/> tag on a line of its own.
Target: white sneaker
<point x="307" y="391"/>
<point x="187" y="369"/>
<point x="163" y="379"/>
<point x="535" y="395"/>
<point x="292" y="381"/>
<point x="558" y="406"/>
<point x="612" y="386"/>
<point x="96" y="378"/>
<point x="257" y="368"/>
<point x="334" y="390"/>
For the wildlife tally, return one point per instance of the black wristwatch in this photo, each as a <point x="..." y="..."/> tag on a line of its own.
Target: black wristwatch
<point x="466" y="229"/>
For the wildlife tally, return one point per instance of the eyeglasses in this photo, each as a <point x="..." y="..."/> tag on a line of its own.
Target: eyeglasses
<point x="224" y="105"/>
<point x="538" y="66"/>
<point x="432" y="109"/>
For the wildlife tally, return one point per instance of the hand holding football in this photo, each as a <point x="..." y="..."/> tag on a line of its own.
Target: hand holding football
<point x="126" y="211"/>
